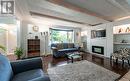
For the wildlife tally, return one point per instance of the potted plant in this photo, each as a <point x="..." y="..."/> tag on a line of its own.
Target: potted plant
<point x="2" y="48"/>
<point x="18" y="52"/>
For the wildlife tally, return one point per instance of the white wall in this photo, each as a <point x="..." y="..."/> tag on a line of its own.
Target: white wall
<point x="86" y="30"/>
<point x="24" y="35"/>
<point x="7" y="20"/>
<point x="109" y="39"/>
<point x="122" y="22"/>
<point x="44" y="43"/>
<point x="106" y="42"/>
<point x="11" y="38"/>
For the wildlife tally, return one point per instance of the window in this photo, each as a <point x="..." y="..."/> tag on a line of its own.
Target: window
<point x="8" y="34"/>
<point x="59" y="36"/>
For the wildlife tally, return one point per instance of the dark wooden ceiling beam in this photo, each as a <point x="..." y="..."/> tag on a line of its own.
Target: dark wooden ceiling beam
<point x="76" y="8"/>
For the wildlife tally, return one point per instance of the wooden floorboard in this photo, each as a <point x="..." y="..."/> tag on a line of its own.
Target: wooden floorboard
<point x="49" y="61"/>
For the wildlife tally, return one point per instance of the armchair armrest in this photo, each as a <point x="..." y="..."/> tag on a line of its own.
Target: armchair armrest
<point x="54" y="48"/>
<point x="44" y="78"/>
<point x="78" y="47"/>
<point x="26" y="64"/>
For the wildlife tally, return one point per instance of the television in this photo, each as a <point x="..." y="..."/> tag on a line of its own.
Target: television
<point x="98" y="33"/>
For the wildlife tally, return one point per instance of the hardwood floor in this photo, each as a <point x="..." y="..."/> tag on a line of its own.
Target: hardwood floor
<point x="49" y="62"/>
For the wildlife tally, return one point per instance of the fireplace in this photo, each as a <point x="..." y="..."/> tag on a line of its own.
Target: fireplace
<point x="98" y="50"/>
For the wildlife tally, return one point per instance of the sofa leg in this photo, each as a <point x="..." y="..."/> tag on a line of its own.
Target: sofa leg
<point x="116" y="60"/>
<point x="67" y="59"/>
<point x="122" y="63"/>
<point x="54" y="56"/>
<point x="110" y="57"/>
<point x="128" y="62"/>
<point x="82" y="57"/>
<point x="72" y="60"/>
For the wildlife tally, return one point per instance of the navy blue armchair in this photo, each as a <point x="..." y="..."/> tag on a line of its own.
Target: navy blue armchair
<point x="22" y="70"/>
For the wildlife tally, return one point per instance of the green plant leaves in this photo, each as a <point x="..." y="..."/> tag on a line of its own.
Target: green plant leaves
<point x="3" y="48"/>
<point x="18" y="52"/>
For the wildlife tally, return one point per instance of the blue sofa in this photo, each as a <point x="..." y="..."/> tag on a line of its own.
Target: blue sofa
<point x="22" y="70"/>
<point x="60" y="49"/>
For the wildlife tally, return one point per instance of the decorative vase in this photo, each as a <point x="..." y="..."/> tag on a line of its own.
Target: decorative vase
<point x="36" y="37"/>
<point x="127" y="29"/>
<point x="120" y="30"/>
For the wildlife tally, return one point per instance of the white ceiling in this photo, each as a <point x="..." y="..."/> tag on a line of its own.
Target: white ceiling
<point x="112" y="9"/>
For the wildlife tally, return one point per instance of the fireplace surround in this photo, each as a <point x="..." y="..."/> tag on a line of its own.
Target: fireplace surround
<point x="98" y="49"/>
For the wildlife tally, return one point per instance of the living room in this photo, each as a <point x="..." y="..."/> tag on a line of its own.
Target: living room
<point x="65" y="40"/>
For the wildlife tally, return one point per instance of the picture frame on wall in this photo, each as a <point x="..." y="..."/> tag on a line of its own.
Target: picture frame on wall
<point x="98" y="33"/>
<point x="127" y="29"/>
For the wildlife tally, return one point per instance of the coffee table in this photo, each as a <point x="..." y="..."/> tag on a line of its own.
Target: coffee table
<point x="74" y="55"/>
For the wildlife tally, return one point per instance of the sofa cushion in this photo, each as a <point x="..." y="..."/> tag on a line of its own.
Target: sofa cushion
<point x="54" y="45"/>
<point x="59" y="46"/>
<point x="73" y="49"/>
<point x="70" y="45"/>
<point x="65" y="45"/>
<point x="6" y="72"/>
<point x="28" y="75"/>
<point x="68" y="50"/>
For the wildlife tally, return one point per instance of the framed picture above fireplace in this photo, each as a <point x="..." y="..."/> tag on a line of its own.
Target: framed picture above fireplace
<point x="98" y="33"/>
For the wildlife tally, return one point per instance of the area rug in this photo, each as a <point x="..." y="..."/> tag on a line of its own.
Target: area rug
<point x="81" y="71"/>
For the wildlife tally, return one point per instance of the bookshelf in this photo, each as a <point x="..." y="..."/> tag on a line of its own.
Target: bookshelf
<point x="33" y="47"/>
<point x="121" y="36"/>
<point x="121" y="33"/>
<point x="118" y="43"/>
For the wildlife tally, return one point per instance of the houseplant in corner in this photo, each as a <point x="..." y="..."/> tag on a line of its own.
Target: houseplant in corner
<point x="18" y="52"/>
<point x="2" y="48"/>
